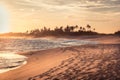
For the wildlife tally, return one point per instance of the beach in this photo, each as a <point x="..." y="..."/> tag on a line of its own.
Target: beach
<point x="85" y="62"/>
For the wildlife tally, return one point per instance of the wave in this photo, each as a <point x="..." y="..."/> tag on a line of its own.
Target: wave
<point x="15" y="45"/>
<point x="10" y="61"/>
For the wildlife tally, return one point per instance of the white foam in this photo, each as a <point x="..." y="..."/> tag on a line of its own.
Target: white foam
<point x="8" y="69"/>
<point x="10" y="61"/>
<point x="10" y="55"/>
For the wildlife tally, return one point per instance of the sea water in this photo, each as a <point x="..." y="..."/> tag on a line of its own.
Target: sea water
<point x="34" y="44"/>
<point x="9" y="46"/>
<point x="10" y="61"/>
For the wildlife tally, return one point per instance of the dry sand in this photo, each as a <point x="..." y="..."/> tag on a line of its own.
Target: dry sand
<point x="86" y="62"/>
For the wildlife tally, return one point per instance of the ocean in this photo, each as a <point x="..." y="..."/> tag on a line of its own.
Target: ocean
<point x="9" y="60"/>
<point x="33" y="44"/>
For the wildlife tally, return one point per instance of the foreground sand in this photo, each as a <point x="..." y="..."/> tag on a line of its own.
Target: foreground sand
<point x="86" y="62"/>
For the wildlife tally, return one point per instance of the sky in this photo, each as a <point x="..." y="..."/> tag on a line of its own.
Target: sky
<point x="23" y="15"/>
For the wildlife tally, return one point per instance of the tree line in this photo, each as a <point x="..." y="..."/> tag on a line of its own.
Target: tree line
<point x="60" y="31"/>
<point x="117" y="33"/>
<point x="63" y="31"/>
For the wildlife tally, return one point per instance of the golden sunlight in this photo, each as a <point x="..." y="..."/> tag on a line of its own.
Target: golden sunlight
<point x="4" y="20"/>
<point x="59" y="39"/>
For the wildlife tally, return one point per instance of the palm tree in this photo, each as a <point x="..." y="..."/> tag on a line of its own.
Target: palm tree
<point x="84" y="29"/>
<point x="81" y="28"/>
<point x="67" y="29"/>
<point x="72" y="28"/>
<point x="94" y="29"/>
<point x="89" y="27"/>
<point x="76" y="26"/>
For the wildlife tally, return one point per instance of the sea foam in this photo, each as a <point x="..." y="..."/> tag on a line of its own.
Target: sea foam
<point x="10" y="61"/>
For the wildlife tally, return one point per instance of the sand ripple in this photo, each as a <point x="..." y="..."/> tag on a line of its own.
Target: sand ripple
<point x="87" y="63"/>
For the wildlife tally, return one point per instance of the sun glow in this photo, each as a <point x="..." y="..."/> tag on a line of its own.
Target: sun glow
<point x="4" y="20"/>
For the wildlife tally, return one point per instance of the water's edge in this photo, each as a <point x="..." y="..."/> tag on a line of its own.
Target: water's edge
<point x="9" y="69"/>
<point x="10" y="60"/>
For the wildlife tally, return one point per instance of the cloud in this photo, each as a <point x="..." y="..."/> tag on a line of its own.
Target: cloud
<point x="66" y="5"/>
<point x="64" y="8"/>
<point x="106" y="6"/>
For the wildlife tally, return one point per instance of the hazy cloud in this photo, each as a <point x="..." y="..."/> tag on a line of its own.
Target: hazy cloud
<point x="90" y="5"/>
<point x="58" y="12"/>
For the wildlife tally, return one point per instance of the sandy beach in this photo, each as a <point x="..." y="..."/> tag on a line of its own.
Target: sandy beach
<point x="86" y="62"/>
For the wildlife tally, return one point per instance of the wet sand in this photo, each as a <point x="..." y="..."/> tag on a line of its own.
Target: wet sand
<point x="86" y="62"/>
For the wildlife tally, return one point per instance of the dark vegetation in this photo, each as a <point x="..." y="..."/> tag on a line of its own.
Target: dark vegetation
<point x="60" y="31"/>
<point x="117" y="33"/>
<point x="63" y="31"/>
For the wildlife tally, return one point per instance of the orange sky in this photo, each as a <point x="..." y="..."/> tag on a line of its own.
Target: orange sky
<point x="22" y="15"/>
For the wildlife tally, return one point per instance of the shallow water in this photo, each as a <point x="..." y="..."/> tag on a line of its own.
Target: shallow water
<point x="10" y="61"/>
<point x="8" y="69"/>
<point x="19" y="44"/>
<point x="9" y="46"/>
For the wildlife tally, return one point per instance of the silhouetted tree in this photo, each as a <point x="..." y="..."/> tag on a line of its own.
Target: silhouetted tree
<point x="93" y="29"/>
<point x="84" y="29"/>
<point x="72" y="28"/>
<point x="67" y="29"/>
<point x="89" y="27"/>
<point x="76" y="26"/>
<point x="58" y="31"/>
<point x="61" y="28"/>
<point x="117" y="33"/>
<point x="81" y="28"/>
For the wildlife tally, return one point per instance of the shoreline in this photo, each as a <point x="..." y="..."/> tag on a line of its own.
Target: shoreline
<point x="40" y="62"/>
<point x="87" y="59"/>
<point x="4" y="70"/>
<point x="11" y="61"/>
